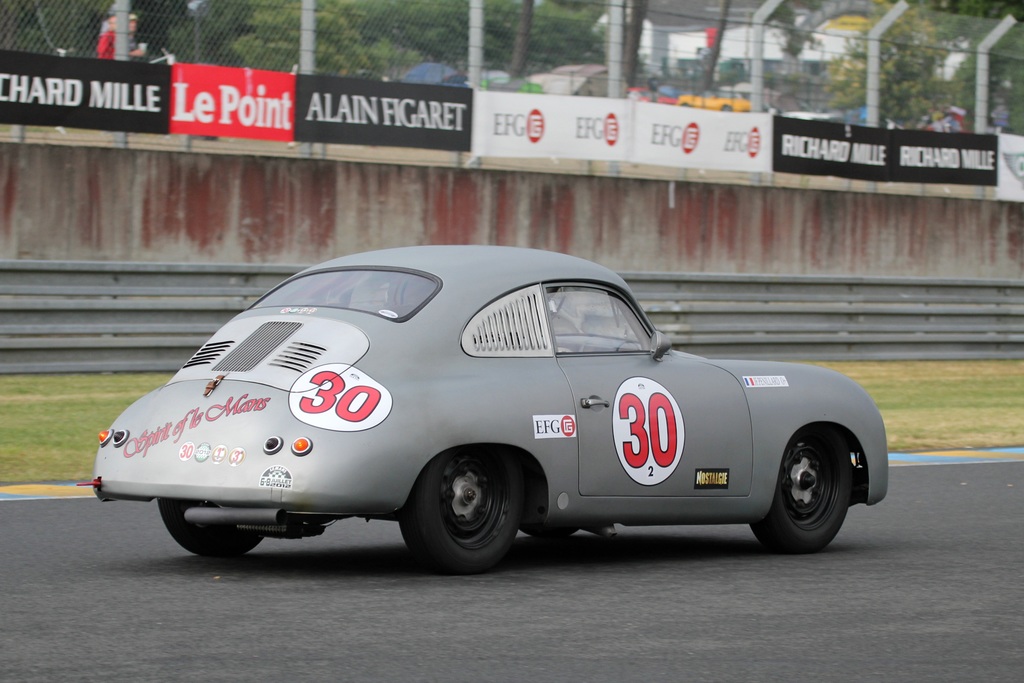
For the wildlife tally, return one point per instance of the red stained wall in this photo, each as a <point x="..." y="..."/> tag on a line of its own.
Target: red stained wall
<point x="105" y="204"/>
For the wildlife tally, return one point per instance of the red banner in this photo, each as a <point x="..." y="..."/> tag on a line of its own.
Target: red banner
<point x="219" y="101"/>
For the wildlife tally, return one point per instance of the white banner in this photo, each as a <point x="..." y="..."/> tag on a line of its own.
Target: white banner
<point x="526" y="125"/>
<point x="685" y="137"/>
<point x="1010" y="168"/>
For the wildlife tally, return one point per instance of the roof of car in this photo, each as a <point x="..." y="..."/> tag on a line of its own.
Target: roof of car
<point x="470" y="265"/>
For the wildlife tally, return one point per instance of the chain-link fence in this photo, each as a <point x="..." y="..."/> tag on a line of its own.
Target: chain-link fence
<point x="815" y="60"/>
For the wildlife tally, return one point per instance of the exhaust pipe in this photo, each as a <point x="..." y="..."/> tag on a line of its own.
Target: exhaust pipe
<point x="206" y="516"/>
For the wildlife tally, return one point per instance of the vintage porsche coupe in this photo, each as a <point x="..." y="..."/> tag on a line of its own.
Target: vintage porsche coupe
<point x="470" y="392"/>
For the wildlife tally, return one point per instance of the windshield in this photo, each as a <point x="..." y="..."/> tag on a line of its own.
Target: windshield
<point x="390" y="294"/>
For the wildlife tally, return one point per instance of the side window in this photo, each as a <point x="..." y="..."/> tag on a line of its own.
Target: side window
<point x="593" y="320"/>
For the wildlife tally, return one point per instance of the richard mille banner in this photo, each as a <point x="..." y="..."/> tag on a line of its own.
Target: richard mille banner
<point x="824" y="148"/>
<point x="921" y="156"/>
<point x="102" y="94"/>
<point x="353" y="111"/>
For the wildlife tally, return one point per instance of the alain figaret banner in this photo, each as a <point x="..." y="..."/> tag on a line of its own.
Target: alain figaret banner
<point x="354" y="111"/>
<point x="99" y="94"/>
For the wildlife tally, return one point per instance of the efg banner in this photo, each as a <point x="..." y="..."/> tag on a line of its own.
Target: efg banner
<point x="100" y="94"/>
<point x="353" y="111"/>
<point x="699" y="138"/>
<point x="921" y="156"/>
<point x="825" y="148"/>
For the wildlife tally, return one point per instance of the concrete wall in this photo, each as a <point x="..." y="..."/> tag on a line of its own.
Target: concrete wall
<point x="86" y="203"/>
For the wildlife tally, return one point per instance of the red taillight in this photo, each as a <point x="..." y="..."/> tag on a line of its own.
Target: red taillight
<point x="302" y="446"/>
<point x="105" y="436"/>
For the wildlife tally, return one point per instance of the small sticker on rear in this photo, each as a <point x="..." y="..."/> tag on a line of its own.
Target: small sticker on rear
<point x="765" y="381"/>
<point x="276" y="477"/>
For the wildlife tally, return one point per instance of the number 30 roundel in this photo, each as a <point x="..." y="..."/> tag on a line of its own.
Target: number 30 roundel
<point x="340" y="398"/>
<point x="647" y="426"/>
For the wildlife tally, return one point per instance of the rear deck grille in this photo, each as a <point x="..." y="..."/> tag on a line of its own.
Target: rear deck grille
<point x="257" y="346"/>
<point x="298" y="356"/>
<point x="209" y="353"/>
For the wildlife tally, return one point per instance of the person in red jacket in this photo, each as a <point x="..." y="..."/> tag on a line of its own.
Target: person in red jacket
<point x="105" y="47"/>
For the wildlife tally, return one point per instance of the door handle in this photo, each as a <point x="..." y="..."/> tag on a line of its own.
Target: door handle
<point x="593" y="401"/>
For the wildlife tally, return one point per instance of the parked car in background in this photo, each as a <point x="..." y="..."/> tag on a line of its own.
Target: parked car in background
<point x="717" y="102"/>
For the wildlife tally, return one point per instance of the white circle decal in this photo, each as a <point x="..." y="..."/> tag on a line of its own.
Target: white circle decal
<point x="340" y="398"/>
<point x="648" y="430"/>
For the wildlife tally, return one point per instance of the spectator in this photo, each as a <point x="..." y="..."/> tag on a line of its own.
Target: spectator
<point x="105" y="46"/>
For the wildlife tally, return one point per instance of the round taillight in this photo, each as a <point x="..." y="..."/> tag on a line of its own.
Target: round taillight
<point x="302" y="446"/>
<point x="120" y="437"/>
<point x="273" y="445"/>
<point x="105" y="436"/>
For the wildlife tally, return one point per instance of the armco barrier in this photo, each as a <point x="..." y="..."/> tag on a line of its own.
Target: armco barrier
<point x="73" y="317"/>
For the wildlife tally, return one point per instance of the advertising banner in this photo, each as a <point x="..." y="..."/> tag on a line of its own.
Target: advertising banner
<point x="567" y="127"/>
<point x="100" y="94"/>
<point x="1010" y="167"/>
<point x="826" y="148"/>
<point x="698" y="138"/>
<point x="921" y="156"/>
<point x="220" y="101"/>
<point x="354" y="111"/>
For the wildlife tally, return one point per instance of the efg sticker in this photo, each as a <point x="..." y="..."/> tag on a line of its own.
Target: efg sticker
<point x="711" y="479"/>
<point x="647" y="427"/>
<point x="554" y="427"/>
<point x="186" y="451"/>
<point x="236" y="457"/>
<point x="765" y="381"/>
<point x="339" y="398"/>
<point x="276" y="477"/>
<point x="203" y="452"/>
<point x="219" y="453"/>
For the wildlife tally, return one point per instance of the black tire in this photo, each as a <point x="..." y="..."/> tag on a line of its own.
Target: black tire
<point x="812" y="494"/>
<point x="209" y="541"/>
<point x="464" y="511"/>
<point x="538" y="531"/>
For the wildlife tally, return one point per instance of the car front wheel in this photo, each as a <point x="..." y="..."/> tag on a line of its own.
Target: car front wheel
<point x="812" y="493"/>
<point x="210" y="541"/>
<point x="464" y="510"/>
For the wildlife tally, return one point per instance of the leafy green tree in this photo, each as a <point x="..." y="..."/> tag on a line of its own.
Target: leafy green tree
<point x="910" y="85"/>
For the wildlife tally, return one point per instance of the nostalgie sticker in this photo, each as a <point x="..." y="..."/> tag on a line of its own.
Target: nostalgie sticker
<point x="765" y="381"/>
<point x="554" y="427"/>
<point x="711" y="479"/>
<point x="647" y="427"/>
<point x="340" y="398"/>
<point x="276" y="477"/>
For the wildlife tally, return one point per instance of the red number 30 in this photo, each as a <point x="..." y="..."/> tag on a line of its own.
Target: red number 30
<point x="352" y="404"/>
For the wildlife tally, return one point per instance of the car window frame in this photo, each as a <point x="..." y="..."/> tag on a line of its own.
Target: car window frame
<point x="627" y="301"/>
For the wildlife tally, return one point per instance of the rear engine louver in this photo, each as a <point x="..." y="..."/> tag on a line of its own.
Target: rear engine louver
<point x="514" y="325"/>
<point x="298" y="356"/>
<point x="257" y="346"/>
<point x="210" y="352"/>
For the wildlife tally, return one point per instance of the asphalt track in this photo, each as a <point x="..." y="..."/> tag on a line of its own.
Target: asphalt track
<point x="926" y="586"/>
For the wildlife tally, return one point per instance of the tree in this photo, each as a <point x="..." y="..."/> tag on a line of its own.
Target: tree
<point x="911" y="86"/>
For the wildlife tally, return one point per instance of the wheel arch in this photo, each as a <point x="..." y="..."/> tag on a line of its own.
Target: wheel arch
<point x="535" y="480"/>
<point x="858" y="461"/>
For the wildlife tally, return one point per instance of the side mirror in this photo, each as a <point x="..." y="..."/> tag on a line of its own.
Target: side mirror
<point x="660" y="345"/>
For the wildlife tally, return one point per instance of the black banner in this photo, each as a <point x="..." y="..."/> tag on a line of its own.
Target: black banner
<point x="920" y="156"/>
<point x="352" y="111"/>
<point x="825" y="148"/>
<point x="41" y="90"/>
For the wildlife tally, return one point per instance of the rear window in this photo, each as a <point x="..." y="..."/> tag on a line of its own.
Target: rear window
<point x="393" y="294"/>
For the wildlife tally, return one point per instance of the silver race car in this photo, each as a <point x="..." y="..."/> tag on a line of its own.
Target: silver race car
<point x="470" y="392"/>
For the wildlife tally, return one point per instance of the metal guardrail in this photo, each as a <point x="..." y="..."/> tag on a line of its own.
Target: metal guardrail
<point x="75" y="317"/>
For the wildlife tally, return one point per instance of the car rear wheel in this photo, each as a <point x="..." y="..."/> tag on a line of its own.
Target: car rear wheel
<point x="812" y="494"/>
<point x="464" y="510"/>
<point x="209" y="541"/>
